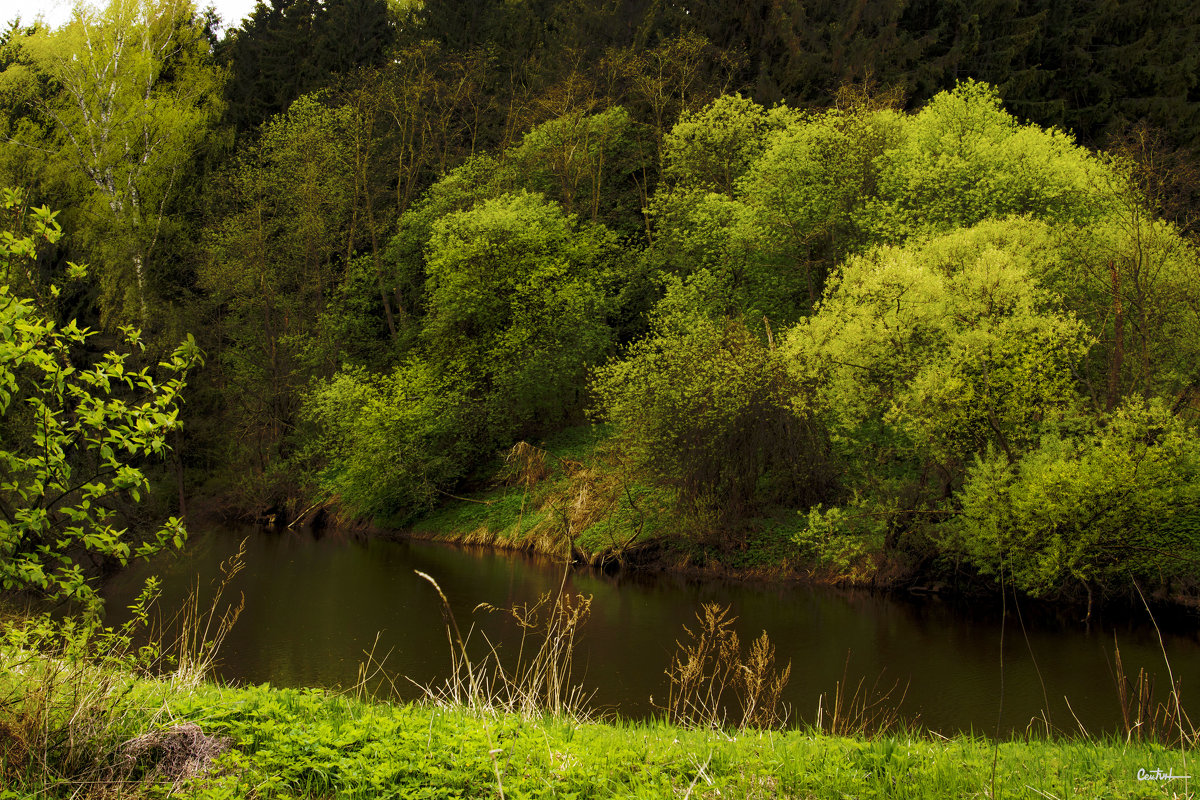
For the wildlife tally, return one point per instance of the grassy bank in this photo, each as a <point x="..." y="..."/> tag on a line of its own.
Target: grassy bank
<point x="577" y="489"/>
<point x="261" y="742"/>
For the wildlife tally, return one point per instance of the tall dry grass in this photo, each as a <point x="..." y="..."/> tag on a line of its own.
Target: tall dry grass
<point x="1147" y="716"/>
<point x="77" y="718"/>
<point x="710" y="677"/>
<point x="540" y="680"/>
<point x="866" y="710"/>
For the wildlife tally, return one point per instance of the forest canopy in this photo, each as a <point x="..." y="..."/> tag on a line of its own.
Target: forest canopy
<point x="910" y="275"/>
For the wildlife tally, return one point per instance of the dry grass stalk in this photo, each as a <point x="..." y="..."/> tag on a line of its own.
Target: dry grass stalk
<point x="762" y="687"/>
<point x="590" y="495"/>
<point x="865" y="712"/>
<point x="199" y="634"/>
<point x="53" y="718"/>
<point x="525" y="465"/>
<point x="540" y="681"/>
<point x="587" y="497"/>
<point x="1146" y="720"/>
<point x="584" y="495"/>
<point x="545" y="679"/>
<point x="710" y="666"/>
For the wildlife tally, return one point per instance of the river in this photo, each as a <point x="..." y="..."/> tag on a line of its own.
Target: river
<point x="317" y="602"/>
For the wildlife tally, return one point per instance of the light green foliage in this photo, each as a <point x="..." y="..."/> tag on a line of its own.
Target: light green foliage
<point x="290" y="196"/>
<point x="950" y="344"/>
<point x="588" y="163"/>
<point x="134" y="91"/>
<point x="457" y="190"/>
<point x="963" y="159"/>
<point x="803" y="192"/>
<point x="807" y="193"/>
<point x="714" y="241"/>
<point x="584" y="163"/>
<point x="22" y="269"/>
<point x="514" y="301"/>
<point x="74" y="436"/>
<point x="392" y="441"/>
<point x="958" y="389"/>
<point x="694" y="236"/>
<point x="766" y="200"/>
<point x="831" y="538"/>
<point x="1121" y="500"/>
<point x="517" y="306"/>
<point x="704" y="406"/>
<point x="712" y="148"/>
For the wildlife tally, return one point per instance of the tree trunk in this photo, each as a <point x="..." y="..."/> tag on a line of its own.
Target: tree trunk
<point x="1118" y="354"/>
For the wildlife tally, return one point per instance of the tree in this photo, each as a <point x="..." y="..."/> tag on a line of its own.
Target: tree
<point x="793" y="189"/>
<point x="588" y="163"/>
<point x="517" y="297"/>
<point x="1133" y="279"/>
<point x="391" y="443"/>
<point x="928" y="355"/>
<point x="74" y="436"/>
<point x="712" y="148"/>
<point x="275" y="260"/>
<point x="703" y="406"/>
<point x="807" y="195"/>
<point x="136" y="92"/>
<point x="962" y="159"/>
<point x="517" y="308"/>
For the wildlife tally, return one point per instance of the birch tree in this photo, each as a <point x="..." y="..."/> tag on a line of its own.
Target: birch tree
<point x="136" y="90"/>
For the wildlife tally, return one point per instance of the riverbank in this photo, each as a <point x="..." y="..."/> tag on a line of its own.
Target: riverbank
<point x="576" y="493"/>
<point x="198" y="740"/>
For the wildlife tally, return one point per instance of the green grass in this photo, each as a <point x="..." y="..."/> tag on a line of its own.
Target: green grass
<point x="499" y="509"/>
<point x="310" y="744"/>
<point x="495" y="511"/>
<point x="516" y="517"/>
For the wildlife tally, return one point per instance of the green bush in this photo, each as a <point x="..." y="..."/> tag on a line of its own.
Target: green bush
<point x="74" y="437"/>
<point x="391" y="442"/>
<point x="1118" y="501"/>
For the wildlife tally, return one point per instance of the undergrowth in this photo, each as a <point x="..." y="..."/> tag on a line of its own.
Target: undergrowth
<point x="83" y="707"/>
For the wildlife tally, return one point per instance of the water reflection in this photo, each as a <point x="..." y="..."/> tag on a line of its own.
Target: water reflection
<point x="316" y="605"/>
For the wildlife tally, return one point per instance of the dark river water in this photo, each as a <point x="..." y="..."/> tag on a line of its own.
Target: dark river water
<point x="315" y="603"/>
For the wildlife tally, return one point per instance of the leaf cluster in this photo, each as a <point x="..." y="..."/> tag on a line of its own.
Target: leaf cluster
<point x="75" y="436"/>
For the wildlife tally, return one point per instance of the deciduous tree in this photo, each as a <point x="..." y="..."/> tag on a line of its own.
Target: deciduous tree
<point x="136" y="90"/>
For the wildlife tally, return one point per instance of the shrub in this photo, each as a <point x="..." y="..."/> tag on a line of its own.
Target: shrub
<point x="704" y="407"/>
